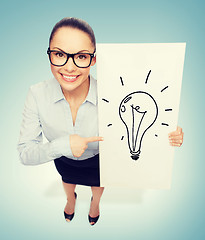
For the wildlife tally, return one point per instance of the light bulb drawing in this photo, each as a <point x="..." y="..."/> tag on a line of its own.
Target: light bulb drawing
<point x="138" y="111"/>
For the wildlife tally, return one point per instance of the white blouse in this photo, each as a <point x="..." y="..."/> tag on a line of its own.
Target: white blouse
<point x="47" y="112"/>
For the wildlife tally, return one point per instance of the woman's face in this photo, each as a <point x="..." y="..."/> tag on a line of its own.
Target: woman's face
<point x="70" y="40"/>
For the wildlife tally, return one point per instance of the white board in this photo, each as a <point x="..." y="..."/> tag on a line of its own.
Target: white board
<point x="138" y="95"/>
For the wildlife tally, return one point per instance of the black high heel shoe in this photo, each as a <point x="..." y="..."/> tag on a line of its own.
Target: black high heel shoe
<point x="70" y="216"/>
<point x="91" y="219"/>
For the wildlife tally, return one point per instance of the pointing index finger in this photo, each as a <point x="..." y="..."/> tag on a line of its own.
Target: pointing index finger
<point x="94" y="139"/>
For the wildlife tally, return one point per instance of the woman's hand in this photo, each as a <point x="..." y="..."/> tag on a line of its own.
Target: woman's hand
<point x="80" y="144"/>
<point x="176" y="137"/>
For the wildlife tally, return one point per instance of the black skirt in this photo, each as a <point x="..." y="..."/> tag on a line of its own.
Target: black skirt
<point x="81" y="172"/>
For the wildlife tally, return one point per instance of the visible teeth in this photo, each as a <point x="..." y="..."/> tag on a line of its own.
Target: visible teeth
<point x="68" y="77"/>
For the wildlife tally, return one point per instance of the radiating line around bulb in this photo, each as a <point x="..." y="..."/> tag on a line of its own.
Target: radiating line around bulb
<point x="121" y="81"/>
<point x="105" y="100"/>
<point x="147" y="77"/>
<point x="164" y="88"/>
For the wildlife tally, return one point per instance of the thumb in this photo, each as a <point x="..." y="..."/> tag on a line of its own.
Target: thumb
<point x="93" y="139"/>
<point x="179" y="129"/>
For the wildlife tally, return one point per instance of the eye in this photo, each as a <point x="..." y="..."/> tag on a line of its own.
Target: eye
<point x="82" y="56"/>
<point x="59" y="54"/>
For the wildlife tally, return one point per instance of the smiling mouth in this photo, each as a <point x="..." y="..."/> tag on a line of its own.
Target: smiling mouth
<point x="70" y="78"/>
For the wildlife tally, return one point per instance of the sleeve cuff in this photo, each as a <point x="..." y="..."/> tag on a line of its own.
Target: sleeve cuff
<point x="61" y="147"/>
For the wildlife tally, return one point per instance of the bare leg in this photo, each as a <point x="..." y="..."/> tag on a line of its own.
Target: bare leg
<point x="94" y="206"/>
<point x="69" y="190"/>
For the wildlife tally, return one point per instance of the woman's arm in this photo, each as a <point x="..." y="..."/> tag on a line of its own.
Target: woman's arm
<point x="32" y="150"/>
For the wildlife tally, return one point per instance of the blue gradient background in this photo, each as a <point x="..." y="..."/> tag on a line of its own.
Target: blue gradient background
<point x="32" y="198"/>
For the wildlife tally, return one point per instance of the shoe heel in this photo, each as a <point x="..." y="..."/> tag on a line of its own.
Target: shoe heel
<point x="70" y="216"/>
<point x="91" y="219"/>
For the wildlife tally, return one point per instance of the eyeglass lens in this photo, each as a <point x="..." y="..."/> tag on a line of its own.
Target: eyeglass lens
<point x="60" y="58"/>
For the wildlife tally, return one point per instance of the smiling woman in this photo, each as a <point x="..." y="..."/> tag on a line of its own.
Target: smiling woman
<point x="65" y="110"/>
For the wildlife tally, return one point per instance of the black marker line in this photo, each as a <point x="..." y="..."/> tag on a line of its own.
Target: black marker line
<point x="127" y="99"/>
<point x="109" y="125"/>
<point x="147" y="77"/>
<point x="122" y="137"/>
<point x="165" y="124"/>
<point x="169" y="109"/>
<point x="105" y="100"/>
<point x="121" y="81"/>
<point x="164" y="88"/>
<point x="132" y="141"/>
<point x="156" y="135"/>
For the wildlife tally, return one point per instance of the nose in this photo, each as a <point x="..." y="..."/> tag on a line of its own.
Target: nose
<point x="70" y="66"/>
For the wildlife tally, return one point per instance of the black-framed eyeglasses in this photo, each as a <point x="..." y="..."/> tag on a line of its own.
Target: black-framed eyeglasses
<point x="60" y="58"/>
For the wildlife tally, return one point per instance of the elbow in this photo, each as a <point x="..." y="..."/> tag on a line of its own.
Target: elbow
<point x="32" y="155"/>
<point x="22" y="156"/>
<point x="25" y="158"/>
<point x="26" y="161"/>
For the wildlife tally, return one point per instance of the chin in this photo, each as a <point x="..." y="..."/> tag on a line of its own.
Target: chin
<point x="69" y="86"/>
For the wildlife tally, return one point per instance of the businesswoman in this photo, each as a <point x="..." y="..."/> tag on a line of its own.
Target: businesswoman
<point x="64" y="109"/>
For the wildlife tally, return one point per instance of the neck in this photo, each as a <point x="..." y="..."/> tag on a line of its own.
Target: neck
<point x="79" y="94"/>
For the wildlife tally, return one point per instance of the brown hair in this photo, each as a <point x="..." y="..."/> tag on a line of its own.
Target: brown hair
<point x="75" y="23"/>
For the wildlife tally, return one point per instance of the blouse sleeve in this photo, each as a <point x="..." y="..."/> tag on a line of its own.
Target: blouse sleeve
<point x="32" y="150"/>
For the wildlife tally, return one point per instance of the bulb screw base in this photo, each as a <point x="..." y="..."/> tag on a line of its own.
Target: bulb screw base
<point x="135" y="155"/>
